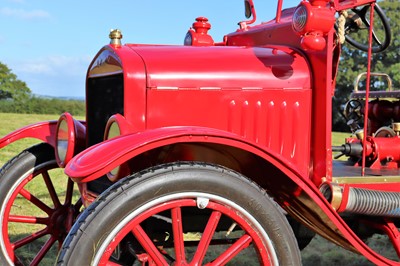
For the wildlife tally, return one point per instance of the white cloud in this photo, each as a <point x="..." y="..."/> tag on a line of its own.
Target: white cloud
<point x="53" y="75"/>
<point x="24" y="14"/>
<point x="35" y="68"/>
<point x="55" y="65"/>
<point x="17" y="1"/>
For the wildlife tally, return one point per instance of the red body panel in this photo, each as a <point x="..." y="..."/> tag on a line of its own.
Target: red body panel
<point x="322" y="81"/>
<point x="112" y="61"/>
<point x="44" y="131"/>
<point x="90" y="164"/>
<point x="268" y="102"/>
<point x="222" y="68"/>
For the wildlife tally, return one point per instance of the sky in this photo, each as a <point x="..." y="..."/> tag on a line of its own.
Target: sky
<point x="50" y="44"/>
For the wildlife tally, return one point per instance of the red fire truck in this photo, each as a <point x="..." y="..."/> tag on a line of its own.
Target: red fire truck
<point x="213" y="152"/>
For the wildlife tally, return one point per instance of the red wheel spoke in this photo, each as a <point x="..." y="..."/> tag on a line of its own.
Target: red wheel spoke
<point x="177" y="229"/>
<point x="40" y="204"/>
<point x="233" y="250"/>
<point x="28" y="219"/>
<point x="206" y="237"/>
<point x="43" y="251"/>
<point x="50" y="188"/>
<point x="148" y="245"/>
<point x="30" y="238"/>
<point x="69" y="192"/>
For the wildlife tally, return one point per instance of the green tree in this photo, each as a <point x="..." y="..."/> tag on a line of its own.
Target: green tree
<point x="11" y="88"/>
<point x="389" y="61"/>
<point x="353" y="62"/>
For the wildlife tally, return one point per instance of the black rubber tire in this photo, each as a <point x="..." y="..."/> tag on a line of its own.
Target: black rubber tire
<point x="15" y="172"/>
<point x="100" y="218"/>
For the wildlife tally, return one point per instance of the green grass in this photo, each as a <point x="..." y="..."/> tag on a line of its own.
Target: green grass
<point x="11" y="122"/>
<point x="338" y="138"/>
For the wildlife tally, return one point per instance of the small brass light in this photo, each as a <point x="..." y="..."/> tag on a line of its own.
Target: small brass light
<point x="115" y="37"/>
<point x="396" y="127"/>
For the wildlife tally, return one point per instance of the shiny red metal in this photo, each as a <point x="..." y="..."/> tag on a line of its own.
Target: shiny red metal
<point x="88" y="166"/>
<point x="198" y="34"/>
<point x="70" y="139"/>
<point x="44" y="131"/>
<point x="368" y="84"/>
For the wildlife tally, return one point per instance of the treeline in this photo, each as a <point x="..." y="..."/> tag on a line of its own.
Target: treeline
<point x="16" y="97"/>
<point x="352" y="63"/>
<point x="36" y="105"/>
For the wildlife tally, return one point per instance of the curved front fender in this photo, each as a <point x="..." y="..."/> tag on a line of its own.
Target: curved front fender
<point x="44" y="131"/>
<point x="105" y="156"/>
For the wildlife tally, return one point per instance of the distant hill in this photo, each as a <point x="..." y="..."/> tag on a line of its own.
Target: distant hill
<point x="74" y="98"/>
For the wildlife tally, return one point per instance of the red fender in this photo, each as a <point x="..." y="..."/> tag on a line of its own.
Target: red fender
<point x="315" y="211"/>
<point x="44" y="131"/>
<point x="105" y="156"/>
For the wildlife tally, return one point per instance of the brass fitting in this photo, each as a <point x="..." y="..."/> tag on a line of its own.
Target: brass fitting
<point x="115" y="37"/>
<point x="396" y="127"/>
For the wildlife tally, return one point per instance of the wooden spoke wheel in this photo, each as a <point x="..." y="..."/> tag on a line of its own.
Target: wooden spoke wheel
<point x="37" y="207"/>
<point x="182" y="214"/>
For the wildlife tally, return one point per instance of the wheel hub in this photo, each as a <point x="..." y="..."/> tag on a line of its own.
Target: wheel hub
<point x="61" y="221"/>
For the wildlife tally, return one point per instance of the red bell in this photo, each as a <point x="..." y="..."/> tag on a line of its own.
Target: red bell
<point x="313" y="41"/>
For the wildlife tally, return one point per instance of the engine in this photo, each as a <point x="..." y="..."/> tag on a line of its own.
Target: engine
<point x="383" y="126"/>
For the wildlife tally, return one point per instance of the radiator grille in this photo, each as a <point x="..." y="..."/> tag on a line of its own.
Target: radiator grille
<point x="105" y="97"/>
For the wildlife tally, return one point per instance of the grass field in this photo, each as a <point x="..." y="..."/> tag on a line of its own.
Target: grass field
<point x="319" y="252"/>
<point x="10" y="122"/>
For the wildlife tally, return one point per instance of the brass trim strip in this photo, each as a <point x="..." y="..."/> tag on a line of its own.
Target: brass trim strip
<point x="365" y="179"/>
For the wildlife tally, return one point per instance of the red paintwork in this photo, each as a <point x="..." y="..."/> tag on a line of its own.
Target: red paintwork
<point x="368" y="81"/>
<point x="88" y="165"/>
<point x="347" y="4"/>
<point x="382" y="152"/>
<point x="44" y="131"/>
<point x="266" y="68"/>
<point x="198" y="34"/>
<point x="75" y="136"/>
<point x="381" y="110"/>
<point x="320" y="21"/>
<point x="245" y="95"/>
<point x="109" y="60"/>
<point x="322" y="71"/>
